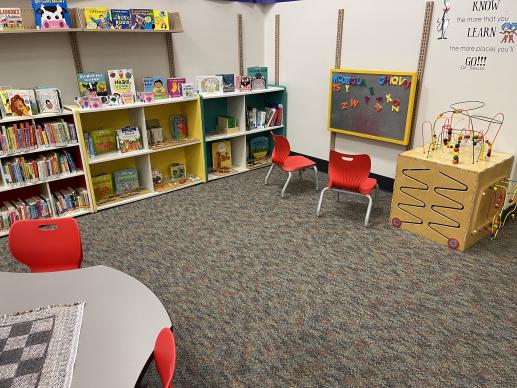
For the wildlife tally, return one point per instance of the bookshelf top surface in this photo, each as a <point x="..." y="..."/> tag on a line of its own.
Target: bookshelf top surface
<point x="10" y="119"/>
<point x="46" y="31"/>
<point x="270" y="89"/>
<point x="131" y="106"/>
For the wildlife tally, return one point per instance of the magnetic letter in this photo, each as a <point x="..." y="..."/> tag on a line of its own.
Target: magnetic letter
<point x="347" y="88"/>
<point x="367" y="100"/>
<point x="388" y="98"/>
<point x="380" y="99"/>
<point x="372" y="91"/>
<point x="354" y="103"/>
<point x="377" y="107"/>
<point x="344" y="105"/>
<point x="395" y="108"/>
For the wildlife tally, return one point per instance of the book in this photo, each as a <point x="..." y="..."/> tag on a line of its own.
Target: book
<point x="243" y="83"/>
<point x="49" y="100"/>
<point x="141" y="19"/>
<point x="209" y="84"/>
<point x="188" y="90"/>
<point x="129" y="139"/>
<point x="222" y="156"/>
<point x="51" y="14"/>
<point x="92" y="84"/>
<point x="225" y="122"/>
<point x="102" y="186"/>
<point x="177" y="172"/>
<point x="120" y="19"/>
<point x="11" y="19"/>
<point x="258" y="147"/>
<point x="161" y="19"/>
<point x="97" y="18"/>
<point x="174" y="86"/>
<point x="19" y="102"/>
<point x="156" y="85"/>
<point x="104" y="140"/>
<point x="5" y="107"/>
<point x="179" y="127"/>
<point x="251" y="118"/>
<point x="122" y="81"/>
<point x="228" y="82"/>
<point x="126" y="180"/>
<point x="32" y="98"/>
<point x="258" y="77"/>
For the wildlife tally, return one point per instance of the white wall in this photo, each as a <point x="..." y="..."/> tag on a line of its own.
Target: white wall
<point x="208" y="46"/>
<point x="379" y="35"/>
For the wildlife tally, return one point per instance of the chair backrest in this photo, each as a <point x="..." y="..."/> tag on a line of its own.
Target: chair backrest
<point x="281" y="150"/>
<point x="47" y="245"/>
<point x="165" y="356"/>
<point x="348" y="171"/>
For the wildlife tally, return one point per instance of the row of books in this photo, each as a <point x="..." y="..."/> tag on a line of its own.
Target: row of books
<point x="101" y="141"/>
<point x="23" y="137"/>
<point x="27" y="102"/>
<point x="120" y="182"/>
<point x="271" y="116"/>
<point x="70" y="200"/>
<point x="20" y="170"/>
<point x="225" y="83"/>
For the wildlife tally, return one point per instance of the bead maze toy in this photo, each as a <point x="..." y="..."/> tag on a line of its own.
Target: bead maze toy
<point x="453" y="190"/>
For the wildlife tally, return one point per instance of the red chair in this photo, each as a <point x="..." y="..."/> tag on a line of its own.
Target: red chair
<point x="288" y="163"/>
<point x="165" y="356"/>
<point x="47" y="245"/>
<point x="350" y="174"/>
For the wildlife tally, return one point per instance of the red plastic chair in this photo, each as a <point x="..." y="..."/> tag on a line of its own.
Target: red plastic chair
<point x="48" y="245"/>
<point x="165" y="356"/>
<point x="287" y="163"/>
<point x="350" y="174"/>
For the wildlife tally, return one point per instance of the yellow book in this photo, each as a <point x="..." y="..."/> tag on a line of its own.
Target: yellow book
<point x="97" y="18"/>
<point x="161" y="19"/>
<point x="222" y="156"/>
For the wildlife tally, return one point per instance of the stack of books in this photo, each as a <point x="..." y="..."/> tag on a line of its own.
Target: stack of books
<point x="29" y="209"/>
<point x="28" y="102"/>
<point x="70" y="200"/>
<point x="271" y="116"/>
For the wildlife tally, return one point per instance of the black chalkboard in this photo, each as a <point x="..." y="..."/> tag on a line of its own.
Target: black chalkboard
<point x="373" y="104"/>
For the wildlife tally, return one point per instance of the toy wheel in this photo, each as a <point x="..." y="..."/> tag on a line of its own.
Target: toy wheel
<point x="396" y="222"/>
<point x="453" y="243"/>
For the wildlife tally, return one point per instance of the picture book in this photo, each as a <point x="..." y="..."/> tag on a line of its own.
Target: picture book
<point x="179" y="127"/>
<point x="225" y="122"/>
<point x="126" y="180"/>
<point x="120" y="19"/>
<point x="129" y="139"/>
<point x="49" y="100"/>
<point x="161" y="19"/>
<point x="104" y="140"/>
<point x="174" y="86"/>
<point x="210" y="84"/>
<point x="5" y="107"/>
<point x="188" y="90"/>
<point x="97" y="18"/>
<point x="19" y="102"/>
<point x="32" y="98"/>
<point x="102" y="186"/>
<point x="258" y="77"/>
<point x="222" y="156"/>
<point x="259" y="147"/>
<point x="141" y="19"/>
<point x="11" y="19"/>
<point x="228" y="82"/>
<point x="122" y="81"/>
<point x="243" y="83"/>
<point x="156" y="85"/>
<point x="51" y="14"/>
<point x="177" y="171"/>
<point x="92" y="84"/>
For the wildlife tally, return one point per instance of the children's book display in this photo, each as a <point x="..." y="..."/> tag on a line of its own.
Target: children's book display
<point x="51" y="14"/>
<point x="210" y="84"/>
<point x="174" y="86"/>
<point x="178" y="130"/>
<point x="10" y="19"/>
<point x="161" y="19"/>
<point x="70" y="200"/>
<point x="141" y="19"/>
<point x="258" y="149"/>
<point x="122" y="82"/>
<point x="258" y="77"/>
<point x="271" y="116"/>
<point x="156" y="86"/>
<point x="120" y="19"/>
<point x="226" y="125"/>
<point x="35" y="207"/>
<point x="102" y="186"/>
<point x="100" y="141"/>
<point x="112" y="187"/>
<point x="228" y="82"/>
<point x="97" y="18"/>
<point x="129" y="139"/>
<point x="126" y="181"/>
<point x="92" y="84"/>
<point x="178" y="177"/>
<point x="48" y="100"/>
<point x="242" y="83"/>
<point x="222" y="157"/>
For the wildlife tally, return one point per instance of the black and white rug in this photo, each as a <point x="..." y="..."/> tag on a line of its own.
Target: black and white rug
<point x="38" y="347"/>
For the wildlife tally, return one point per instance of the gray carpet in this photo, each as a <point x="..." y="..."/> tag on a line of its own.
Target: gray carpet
<point x="261" y="293"/>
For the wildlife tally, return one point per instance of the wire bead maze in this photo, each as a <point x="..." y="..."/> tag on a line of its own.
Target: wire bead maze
<point x="502" y="193"/>
<point x="451" y="136"/>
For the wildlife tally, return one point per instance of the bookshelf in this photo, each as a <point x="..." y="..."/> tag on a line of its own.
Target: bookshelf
<point x="189" y="152"/>
<point x="24" y="191"/>
<point x="234" y="104"/>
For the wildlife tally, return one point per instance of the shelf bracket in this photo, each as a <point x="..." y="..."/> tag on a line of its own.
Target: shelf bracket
<point x="72" y="36"/>
<point x="170" y="53"/>
<point x="339" y="44"/>
<point x="241" y="44"/>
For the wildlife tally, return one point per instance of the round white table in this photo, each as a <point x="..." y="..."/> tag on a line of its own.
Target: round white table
<point x="121" y="320"/>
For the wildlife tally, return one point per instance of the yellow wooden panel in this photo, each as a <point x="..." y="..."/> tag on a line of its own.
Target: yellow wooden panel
<point x="108" y="119"/>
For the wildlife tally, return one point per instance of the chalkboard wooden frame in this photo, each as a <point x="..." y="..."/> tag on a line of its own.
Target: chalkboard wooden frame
<point x="360" y="132"/>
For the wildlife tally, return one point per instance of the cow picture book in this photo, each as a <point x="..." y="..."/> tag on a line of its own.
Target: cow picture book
<point x="92" y="84"/>
<point x="156" y="86"/>
<point x="51" y="14"/>
<point x="122" y="81"/>
<point x="10" y="19"/>
<point x="120" y="19"/>
<point x="97" y="18"/>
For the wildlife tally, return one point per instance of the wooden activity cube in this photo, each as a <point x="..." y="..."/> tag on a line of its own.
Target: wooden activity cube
<point x="450" y="204"/>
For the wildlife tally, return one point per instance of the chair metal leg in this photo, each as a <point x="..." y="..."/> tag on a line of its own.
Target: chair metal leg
<point x="287" y="183"/>
<point x="300" y="175"/>
<point x="316" y="177"/>
<point x="376" y="196"/>
<point x="269" y="173"/>
<point x="338" y="196"/>
<point x="321" y="200"/>
<point x="370" y="203"/>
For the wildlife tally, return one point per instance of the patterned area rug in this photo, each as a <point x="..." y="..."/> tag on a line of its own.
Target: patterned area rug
<point x="38" y="347"/>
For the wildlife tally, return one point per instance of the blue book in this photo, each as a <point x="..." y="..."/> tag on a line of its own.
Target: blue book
<point x="157" y="86"/>
<point x="120" y="19"/>
<point x="126" y="180"/>
<point x="51" y="14"/>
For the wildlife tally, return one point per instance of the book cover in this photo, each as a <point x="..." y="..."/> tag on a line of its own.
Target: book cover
<point x="20" y="102"/>
<point x="126" y="180"/>
<point x="92" y="84"/>
<point x="188" y="90"/>
<point x="222" y="156"/>
<point x="259" y="147"/>
<point x="156" y="86"/>
<point x="11" y="19"/>
<point x="161" y="19"/>
<point x="258" y="77"/>
<point x="49" y="100"/>
<point x="104" y="140"/>
<point x="129" y="139"/>
<point x="51" y="14"/>
<point x="97" y="18"/>
<point x="122" y="81"/>
<point x="228" y="82"/>
<point x="141" y="19"/>
<point x="177" y="172"/>
<point x="174" y="86"/>
<point x="209" y="84"/>
<point x="120" y="19"/>
<point x="179" y="127"/>
<point x="102" y="186"/>
<point x="243" y="83"/>
<point x="5" y="107"/>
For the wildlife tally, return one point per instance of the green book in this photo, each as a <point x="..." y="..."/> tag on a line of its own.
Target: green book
<point x="104" y="140"/>
<point x="102" y="186"/>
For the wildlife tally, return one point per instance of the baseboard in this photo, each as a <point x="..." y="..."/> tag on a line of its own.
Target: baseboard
<point x="385" y="183"/>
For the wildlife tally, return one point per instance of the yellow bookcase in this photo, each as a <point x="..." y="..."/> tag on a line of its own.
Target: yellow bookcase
<point x="190" y="152"/>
